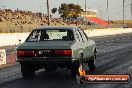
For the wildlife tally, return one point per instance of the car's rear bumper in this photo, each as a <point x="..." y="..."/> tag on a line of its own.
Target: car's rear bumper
<point x="46" y="60"/>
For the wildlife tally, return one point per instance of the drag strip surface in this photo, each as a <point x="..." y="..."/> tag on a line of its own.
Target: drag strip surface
<point x="114" y="57"/>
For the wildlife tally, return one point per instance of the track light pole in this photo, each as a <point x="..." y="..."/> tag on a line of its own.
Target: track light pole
<point x="124" y="12"/>
<point x="108" y="12"/>
<point x="48" y="12"/>
<point x="85" y="7"/>
<point x="131" y="9"/>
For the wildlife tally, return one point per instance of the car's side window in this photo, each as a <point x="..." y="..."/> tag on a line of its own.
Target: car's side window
<point x="84" y="38"/>
<point x="78" y="35"/>
<point x="85" y="34"/>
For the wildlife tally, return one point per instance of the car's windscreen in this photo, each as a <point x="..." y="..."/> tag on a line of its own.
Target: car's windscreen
<point x="50" y="35"/>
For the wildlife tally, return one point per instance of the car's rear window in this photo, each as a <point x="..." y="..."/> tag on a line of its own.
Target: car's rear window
<point x="50" y="34"/>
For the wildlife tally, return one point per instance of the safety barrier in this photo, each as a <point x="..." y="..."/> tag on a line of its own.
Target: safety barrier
<point x="2" y="56"/>
<point x="9" y="39"/>
<point x="109" y="31"/>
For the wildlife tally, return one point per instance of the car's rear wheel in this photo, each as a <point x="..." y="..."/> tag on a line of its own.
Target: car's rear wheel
<point x="91" y="63"/>
<point x="27" y="71"/>
<point x="74" y="70"/>
<point x="75" y="66"/>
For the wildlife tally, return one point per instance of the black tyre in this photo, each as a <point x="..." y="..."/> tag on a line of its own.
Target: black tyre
<point x="74" y="70"/>
<point x="27" y="71"/>
<point x="91" y="63"/>
<point x="75" y="66"/>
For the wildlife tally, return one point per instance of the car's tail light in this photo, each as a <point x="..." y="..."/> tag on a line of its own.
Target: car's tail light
<point x="22" y="52"/>
<point x="63" y="52"/>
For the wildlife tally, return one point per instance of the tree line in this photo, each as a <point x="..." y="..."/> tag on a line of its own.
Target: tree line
<point x="68" y="10"/>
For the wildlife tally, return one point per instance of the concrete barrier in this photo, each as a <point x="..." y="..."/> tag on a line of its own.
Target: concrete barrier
<point x="109" y="31"/>
<point x="9" y="39"/>
<point x="2" y="56"/>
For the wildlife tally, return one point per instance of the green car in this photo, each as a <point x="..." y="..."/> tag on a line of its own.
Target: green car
<point x="53" y="47"/>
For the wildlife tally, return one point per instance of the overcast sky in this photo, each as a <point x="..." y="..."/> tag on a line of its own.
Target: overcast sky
<point x="115" y="6"/>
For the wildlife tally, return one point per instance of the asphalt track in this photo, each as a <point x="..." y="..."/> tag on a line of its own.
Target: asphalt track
<point x="114" y="57"/>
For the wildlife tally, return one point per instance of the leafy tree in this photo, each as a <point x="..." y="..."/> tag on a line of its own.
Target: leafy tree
<point x="69" y="10"/>
<point x="54" y="10"/>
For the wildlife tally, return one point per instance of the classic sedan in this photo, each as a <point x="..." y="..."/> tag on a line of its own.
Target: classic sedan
<point x="53" y="47"/>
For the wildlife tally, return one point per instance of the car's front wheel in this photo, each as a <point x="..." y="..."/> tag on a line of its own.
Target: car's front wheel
<point x="27" y="71"/>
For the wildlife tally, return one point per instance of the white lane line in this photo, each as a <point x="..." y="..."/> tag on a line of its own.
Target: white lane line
<point x="102" y="42"/>
<point x="118" y="39"/>
<point x="123" y="38"/>
<point x="128" y="37"/>
<point x="107" y="41"/>
<point x="113" y="40"/>
<point x="97" y="43"/>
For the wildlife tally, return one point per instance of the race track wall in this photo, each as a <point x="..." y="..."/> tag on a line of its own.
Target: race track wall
<point x="9" y="39"/>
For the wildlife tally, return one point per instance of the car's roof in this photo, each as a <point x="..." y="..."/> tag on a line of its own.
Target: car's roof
<point x="56" y="27"/>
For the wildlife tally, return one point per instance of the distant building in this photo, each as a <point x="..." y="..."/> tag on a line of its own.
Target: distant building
<point x="88" y="13"/>
<point x="91" y="16"/>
